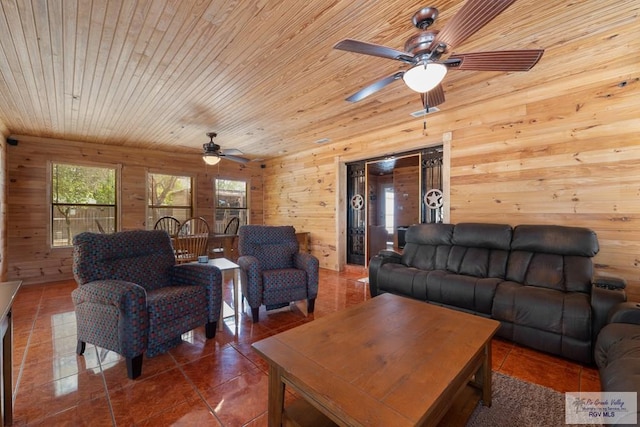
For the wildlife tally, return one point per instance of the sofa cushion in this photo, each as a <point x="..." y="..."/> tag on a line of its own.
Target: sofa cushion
<point x="427" y="246"/>
<point x="490" y="236"/>
<point x="401" y="280"/>
<point x="562" y="313"/>
<point x="480" y="250"/>
<point x="555" y="239"/>
<point x="554" y="257"/>
<point x="466" y="292"/>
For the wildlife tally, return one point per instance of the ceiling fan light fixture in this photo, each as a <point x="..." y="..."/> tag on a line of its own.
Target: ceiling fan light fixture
<point x="211" y="159"/>
<point x="424" y="77"/>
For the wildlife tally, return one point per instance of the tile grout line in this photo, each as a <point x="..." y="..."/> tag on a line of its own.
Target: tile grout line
<point x="211" y="410"/>
<point x="26" y="348"/>
<point x="106" y="389"/>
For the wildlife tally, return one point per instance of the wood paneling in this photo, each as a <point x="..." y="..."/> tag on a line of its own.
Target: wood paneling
<point x="264" y="75"/>
<point x="406" y="185"/>
<point x="3" y="205"/>
<point x="29" y="255"/>
<point x="560" y="146"/>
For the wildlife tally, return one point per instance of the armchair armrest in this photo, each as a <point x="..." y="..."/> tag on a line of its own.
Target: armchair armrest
<point x="120" y="306"/>
<point x="383" y="257"/>
<point x="310" y="264"/>
<point x="118" y="293"/>
<point x="251" y="279"/>
<point x="626" y="312"/>
<point x="204" y="275"/>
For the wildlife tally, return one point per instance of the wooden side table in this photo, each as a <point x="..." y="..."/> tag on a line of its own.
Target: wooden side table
<point x="224" y="264"/>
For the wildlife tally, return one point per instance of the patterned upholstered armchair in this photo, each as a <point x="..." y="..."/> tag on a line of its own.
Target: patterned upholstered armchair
<point x="132" y="298"/>
<point x="273" y="271"/>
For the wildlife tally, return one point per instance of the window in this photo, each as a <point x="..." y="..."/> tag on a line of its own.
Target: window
<point x="168" y="195"/>
<point x="230" y="201"/>
<point x="83" y="198"/>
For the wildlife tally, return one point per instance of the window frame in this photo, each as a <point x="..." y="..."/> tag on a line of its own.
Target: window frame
<point x="50" y="205"/>
<point x="247" y="208"/>
<point x="149" y="207"/>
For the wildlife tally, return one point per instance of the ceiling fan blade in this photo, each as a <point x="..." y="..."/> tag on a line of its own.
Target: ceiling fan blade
<point x="235" y="158"/>
<point x="507" y="60"/>
<point x="434" y="97"/>
<point x="232" y="151"/>
<point x="373" y="50"/>
<point x="474" y="15"/>
<point x="363" y="93"/>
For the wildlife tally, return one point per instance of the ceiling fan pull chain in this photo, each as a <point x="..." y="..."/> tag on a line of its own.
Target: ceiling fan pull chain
<point x="425" y="102"/>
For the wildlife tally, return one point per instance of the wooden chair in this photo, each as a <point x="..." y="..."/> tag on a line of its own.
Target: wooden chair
<point x="192" y="240"/>
<point x="169" y="224"/>
<point x="231" y="228"/>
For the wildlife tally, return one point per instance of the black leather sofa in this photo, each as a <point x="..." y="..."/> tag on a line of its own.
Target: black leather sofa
<point x="535" y="279"/>
<point x="617" y="353"/>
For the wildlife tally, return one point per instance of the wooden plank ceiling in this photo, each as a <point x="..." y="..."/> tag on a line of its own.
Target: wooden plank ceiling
<point x="161" y="73"/>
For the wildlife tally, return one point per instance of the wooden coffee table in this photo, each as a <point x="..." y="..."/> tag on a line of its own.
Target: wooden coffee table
<point x="388" y="361"/>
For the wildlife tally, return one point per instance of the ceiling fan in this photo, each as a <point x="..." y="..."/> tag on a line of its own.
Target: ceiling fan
<point x="425" y="50"/>
<point x="212" y="153"/>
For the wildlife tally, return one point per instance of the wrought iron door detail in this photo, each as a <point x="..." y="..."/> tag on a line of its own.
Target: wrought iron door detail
<point x="433" y="199"/>
<point x="356" y="213"/>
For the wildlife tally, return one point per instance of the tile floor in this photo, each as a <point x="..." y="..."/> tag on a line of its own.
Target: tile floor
<point x="219" y="382"/>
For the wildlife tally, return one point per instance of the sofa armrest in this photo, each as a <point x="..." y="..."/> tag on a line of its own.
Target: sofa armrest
<point x="251" y="279"/>
<point x="609" y="282"/>
<point x="311" y="265"/>
<point x="602" y="302"/>
<point x="377" y="261"/>
<point x="626" y="312"/>
<point x="207" y="276"/>
<point x="393" y="255"/>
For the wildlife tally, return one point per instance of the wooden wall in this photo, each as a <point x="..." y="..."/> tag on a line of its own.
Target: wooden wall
<point x="406" y="184"/>
<point x="29" y="255"/>
<point x="557" y="145"/>
<point x="3" y="202"/>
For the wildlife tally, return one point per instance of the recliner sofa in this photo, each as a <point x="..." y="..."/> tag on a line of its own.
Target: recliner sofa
<point x="535" y="279"/>
<point x="617" y="355"/>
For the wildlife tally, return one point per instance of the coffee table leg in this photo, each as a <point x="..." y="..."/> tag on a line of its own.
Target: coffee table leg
<point x="483" y="376"/>
<point x="276" y="396"/>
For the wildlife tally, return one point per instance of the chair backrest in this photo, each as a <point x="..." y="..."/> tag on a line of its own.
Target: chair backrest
<point x="232" y="226"/>
<point x="192" y="240"/>
<point x="169" y="224"/>
<point x="144" y="257"/>
<point x="273" y="246"/>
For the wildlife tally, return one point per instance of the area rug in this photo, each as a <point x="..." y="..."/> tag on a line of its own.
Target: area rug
<point x="519" y="403"/>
